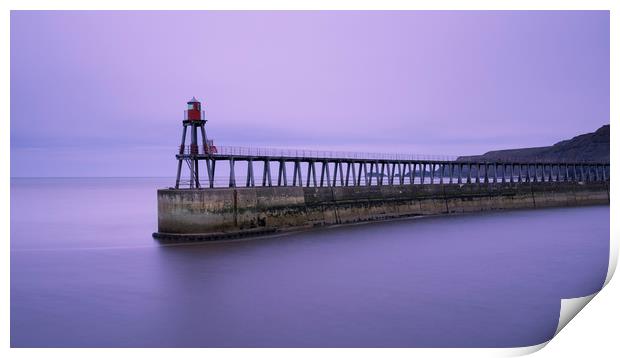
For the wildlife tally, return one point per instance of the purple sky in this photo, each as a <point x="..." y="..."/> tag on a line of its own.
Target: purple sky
<point x="103" y="93"/>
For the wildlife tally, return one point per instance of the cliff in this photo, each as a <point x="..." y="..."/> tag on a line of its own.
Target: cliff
<point x="590" y="147"/>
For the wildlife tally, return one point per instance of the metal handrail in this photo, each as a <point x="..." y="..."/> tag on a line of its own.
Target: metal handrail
<point x="516" y="159"/>
<point x="322" y="154"/>
<point x="317" y="154"/>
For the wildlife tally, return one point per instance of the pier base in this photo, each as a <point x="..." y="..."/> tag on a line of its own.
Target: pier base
<point x="224" y="213"/>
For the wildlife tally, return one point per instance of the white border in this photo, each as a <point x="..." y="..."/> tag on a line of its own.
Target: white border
<point x="598" y="324"/>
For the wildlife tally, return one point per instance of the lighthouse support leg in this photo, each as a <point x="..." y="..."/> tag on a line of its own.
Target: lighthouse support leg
<point x="181" y="151"/>
<point x="196" y="174"/>
<point x="176" y="186"/>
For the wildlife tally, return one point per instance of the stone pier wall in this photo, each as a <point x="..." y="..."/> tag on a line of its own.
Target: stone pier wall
<point x="236" y="210"/>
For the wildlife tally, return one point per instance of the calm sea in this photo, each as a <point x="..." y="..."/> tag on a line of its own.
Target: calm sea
<point x="85" y="272"/>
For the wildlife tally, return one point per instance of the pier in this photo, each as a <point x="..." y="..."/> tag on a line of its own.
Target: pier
<point x="267" y="190"/>
<point x="309" y="168"/>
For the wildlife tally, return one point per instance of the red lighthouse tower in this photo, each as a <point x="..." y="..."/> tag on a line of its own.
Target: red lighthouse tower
<point x="194" y="111"/>
<point x="194" y="119"/>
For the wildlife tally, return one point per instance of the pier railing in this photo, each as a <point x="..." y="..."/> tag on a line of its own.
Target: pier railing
<point x="299" y="167"/>
<point x="307" y="153"/>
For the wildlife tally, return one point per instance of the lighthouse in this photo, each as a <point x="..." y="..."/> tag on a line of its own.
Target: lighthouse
<point x="194" y="120"/>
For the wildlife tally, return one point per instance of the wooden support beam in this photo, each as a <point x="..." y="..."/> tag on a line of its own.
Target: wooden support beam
<point x="232" y="181"/>
<point x="266" y="172"/>
<point x="249" y="181"/>
<point x="346" y="181"/>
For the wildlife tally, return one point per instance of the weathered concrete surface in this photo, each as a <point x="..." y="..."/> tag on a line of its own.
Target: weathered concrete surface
<point x="234" y="210"/>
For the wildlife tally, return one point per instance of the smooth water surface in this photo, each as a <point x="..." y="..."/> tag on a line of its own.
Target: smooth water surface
<point x="85" y="272"/>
